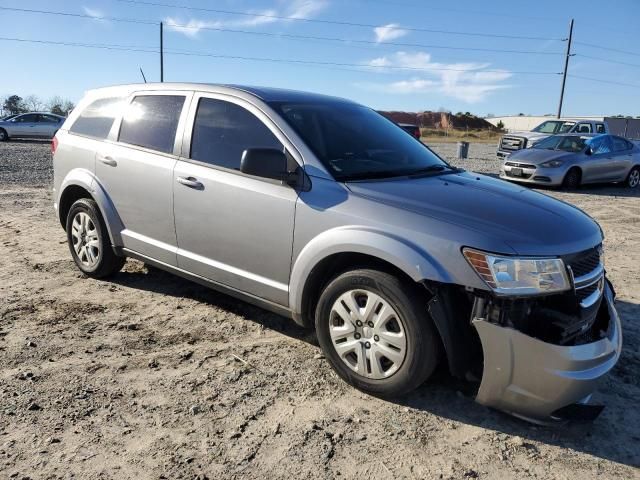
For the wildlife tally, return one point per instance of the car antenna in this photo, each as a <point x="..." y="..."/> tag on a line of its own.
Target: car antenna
<point x="143" y="77"/>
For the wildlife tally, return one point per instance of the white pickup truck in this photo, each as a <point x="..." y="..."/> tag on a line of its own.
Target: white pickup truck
<point x="515" y="141"/>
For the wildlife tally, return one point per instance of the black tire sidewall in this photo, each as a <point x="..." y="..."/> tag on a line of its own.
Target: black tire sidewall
<point x="628" y="182"/>
<point x="6" y="135"/>
<point x="90" y="208"/>
<point x="569" y="181"/>
<point x="422" y="340"/>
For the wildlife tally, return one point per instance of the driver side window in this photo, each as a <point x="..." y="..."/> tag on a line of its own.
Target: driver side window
<point x="222" y="131"/>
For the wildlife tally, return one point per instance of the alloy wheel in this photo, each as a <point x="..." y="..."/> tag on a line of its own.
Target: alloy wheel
<point x="86" y="242"/>
<point x="634" y="178"/>
<point x="367" y="334"/>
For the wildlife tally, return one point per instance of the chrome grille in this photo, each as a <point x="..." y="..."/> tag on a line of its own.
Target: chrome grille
<point x="520" y="165"/>
<point x="512" y="143"/>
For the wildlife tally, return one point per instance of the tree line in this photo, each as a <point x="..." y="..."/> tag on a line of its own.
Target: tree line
<point x="15" y="104"/>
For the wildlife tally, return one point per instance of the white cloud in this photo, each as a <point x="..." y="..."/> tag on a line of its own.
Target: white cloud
<point x="305" y="8"/>
<point x="189" y="28"/>
<point x="391" y="31"/>
<point x="287" y="8"/>
<point x="94" y="13"/>
<point x="470" y="82"/>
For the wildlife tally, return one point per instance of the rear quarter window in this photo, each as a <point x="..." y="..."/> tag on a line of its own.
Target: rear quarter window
<point x="151" y="121"/>
<point x="97" y="118"/>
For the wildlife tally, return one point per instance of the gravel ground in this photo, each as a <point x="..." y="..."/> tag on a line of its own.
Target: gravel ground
<point x="150" y="376"/>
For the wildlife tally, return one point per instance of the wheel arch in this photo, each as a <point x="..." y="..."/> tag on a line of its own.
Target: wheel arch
<point x="80" y="183"/>
<point x="345" y="248"/>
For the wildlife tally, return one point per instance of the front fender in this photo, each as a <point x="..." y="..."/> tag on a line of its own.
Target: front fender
<point x="84" y="178"/>
<point x="411" y="259"/>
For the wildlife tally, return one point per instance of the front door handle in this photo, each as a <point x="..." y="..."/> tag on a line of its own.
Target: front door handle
<point x="108" y="161"/>
<point x="190" y="182"/>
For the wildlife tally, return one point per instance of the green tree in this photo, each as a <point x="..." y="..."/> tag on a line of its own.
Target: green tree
<point x="500" y="125"/>
<point x="14" y="105"/>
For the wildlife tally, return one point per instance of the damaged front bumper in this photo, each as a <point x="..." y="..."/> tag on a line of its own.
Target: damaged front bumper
<point x="535" y="380"/>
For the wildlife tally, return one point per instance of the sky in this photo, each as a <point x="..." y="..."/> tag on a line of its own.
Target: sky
<point x="410" y="55"/>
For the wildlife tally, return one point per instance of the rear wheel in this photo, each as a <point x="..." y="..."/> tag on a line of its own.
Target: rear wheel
<point x="572" y="179"/>
<point x="89" y="241"/>
<point x="4" y="136"/>
<point x="375" y="331"/>
<point x="633" y="179"/>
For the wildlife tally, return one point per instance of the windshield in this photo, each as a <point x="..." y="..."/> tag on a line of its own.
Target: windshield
<point x="552" y="126"/>
<point x="572" y="143"/>
<point x="355" y="143"/>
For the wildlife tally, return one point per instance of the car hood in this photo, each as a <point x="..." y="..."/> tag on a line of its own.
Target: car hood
<point x="527" y="221"/>
<point x="536" y="156"/>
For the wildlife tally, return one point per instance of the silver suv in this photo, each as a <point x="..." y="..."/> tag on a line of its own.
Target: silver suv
<point x="323" y="211"/>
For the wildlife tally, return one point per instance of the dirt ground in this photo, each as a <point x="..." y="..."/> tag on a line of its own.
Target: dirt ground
<point x="150" y="376"/>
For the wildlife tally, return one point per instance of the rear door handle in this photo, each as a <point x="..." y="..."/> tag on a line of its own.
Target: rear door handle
<point x="190" y="182"/>
<point x="108" y="161"/>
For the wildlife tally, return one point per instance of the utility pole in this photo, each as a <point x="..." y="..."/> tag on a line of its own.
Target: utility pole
<point x="566" y="67"/>
<point x="162" y="54"/>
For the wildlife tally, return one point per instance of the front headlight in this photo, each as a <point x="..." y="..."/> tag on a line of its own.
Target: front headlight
<point x="519" y="276"/>
<point x="552" y="164"/>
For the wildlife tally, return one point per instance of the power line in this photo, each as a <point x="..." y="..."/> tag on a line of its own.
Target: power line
<point x="593" y="45"/>
<point x="279" y="35"/>
<point x="333" y="22"/>
<point x="459" y="10"/>
<point x="600" y="59"/>
<point x="599" y="80"/>
<point x="267" y="59"/>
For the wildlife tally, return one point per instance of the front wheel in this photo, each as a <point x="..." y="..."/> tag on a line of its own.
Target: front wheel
<point x="376" y="333"/>
<point x="572" y="179"/>
<point x="633" y="179"/>
<point x="4" y="136"/>
<point x="89" y="241"/>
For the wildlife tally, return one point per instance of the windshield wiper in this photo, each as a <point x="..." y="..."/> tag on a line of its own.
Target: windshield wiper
<point x="370" y="175"/>
<point x="437" y="168"/>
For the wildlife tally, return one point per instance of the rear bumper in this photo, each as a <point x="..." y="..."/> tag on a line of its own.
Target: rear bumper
<point x="533" y="379"/>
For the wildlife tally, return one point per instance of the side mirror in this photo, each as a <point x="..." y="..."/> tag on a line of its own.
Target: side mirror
<point x="264" y="162"/>
<point x="588" y="151"/>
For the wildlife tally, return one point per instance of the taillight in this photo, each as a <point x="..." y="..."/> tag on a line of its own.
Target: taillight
<point x="54" y="145"/>
<point x="416" y="133"/>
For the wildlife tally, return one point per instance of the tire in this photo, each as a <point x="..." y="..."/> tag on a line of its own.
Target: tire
<point x="572" y="179"/>
<point x="4" y="136"/>
<point x="383" y="377"/>
<point x="89" y="241"/>
<point x="633" y="179"/>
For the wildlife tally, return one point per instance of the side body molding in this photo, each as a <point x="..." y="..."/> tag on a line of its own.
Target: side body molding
<point x="84" y="178"/>
<point x="409" y="258"/>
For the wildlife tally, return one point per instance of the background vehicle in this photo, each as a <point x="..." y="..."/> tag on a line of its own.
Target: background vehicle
<point x="411" y="129"/>
<point x="324" y="211"/>
<point x="572" y="160"/>
<point x="512" y="142"/>
<point x="34" y="125"/>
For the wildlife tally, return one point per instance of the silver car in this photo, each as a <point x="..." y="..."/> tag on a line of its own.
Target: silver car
<point x="323" y="211"/>
<point x="31" y="125"/>
<point x="572" y="160"/>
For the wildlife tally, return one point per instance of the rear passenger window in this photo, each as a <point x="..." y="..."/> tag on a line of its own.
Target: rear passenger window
<point x="600" y="145"/>
<point x="151" y="121"/>
<point x="620" y="144"/>
<point x="97" y="118"/>
<point x="223" y="130"/>
<point x="584" y="128"/>
<point x="600" y="128"/>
